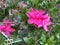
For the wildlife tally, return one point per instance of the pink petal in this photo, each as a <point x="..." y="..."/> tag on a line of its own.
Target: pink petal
<point x="46" y="22"/>
<point x="7" y="33"/>
<point x="41" y="12"/>
<point x="37" y="23"/>
<point x="2" y="27"/>
<point x="11" y="30"/>
<point x="5" y="20"/>
<point x="28" y="15"/>
<point x="46" y="16"/>
<point x="30" y="21"/>
<point x="38" y="16"/>
<point x="33" y="10"/>
<point x="45" y="26"/>
<point x="39" y="26"/>
<point x="32" y="13"/>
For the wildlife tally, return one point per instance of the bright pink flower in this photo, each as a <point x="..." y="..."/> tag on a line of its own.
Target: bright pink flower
<point x="6" y="27"/>
<point x="38" y="18"/>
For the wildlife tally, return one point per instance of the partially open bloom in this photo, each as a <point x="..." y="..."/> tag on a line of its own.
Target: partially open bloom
<point x="6" y="27"/>
<point x="38" y="18"/>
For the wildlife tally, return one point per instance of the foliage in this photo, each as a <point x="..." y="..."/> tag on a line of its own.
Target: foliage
<point x="26" y="34"/>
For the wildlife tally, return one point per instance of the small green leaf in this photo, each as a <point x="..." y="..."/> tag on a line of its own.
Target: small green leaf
<point x="43" y="38"/>
<point x="28" y="40"/>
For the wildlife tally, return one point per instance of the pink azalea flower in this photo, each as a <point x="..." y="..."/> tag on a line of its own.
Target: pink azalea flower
<point x="6" y="27"/>
<point x="38" y="18"/>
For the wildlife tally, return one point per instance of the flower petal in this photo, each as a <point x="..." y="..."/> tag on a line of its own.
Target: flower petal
<point x="30" y="21"/>
<point x="5" y="20"/>
<point x="45" y="27"/>
<point x="33" y="10"/>
<point x="7" y="33"/>
<point x="41" y="12"/>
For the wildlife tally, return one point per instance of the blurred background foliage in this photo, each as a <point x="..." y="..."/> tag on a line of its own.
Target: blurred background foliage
<point x="27" y="34"/>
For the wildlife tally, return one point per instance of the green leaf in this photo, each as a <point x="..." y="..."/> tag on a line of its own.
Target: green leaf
<point x="51" y="38"/>
<point x="1" y="39"/>
<point x="28" y="40"/>
<point x="43" y="38"/>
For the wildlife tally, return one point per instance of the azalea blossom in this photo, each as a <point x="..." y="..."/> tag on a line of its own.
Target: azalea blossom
<point x="38" y="18"/>
<point x="6" y="27"/>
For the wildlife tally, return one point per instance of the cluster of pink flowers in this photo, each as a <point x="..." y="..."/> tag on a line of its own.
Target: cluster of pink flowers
<point x="38" y="18"/>
<point x="6" y="27"/>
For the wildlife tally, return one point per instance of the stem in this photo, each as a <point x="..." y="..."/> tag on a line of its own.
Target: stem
<point x="15" y="41"/>
<point x="4" y="34"/>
